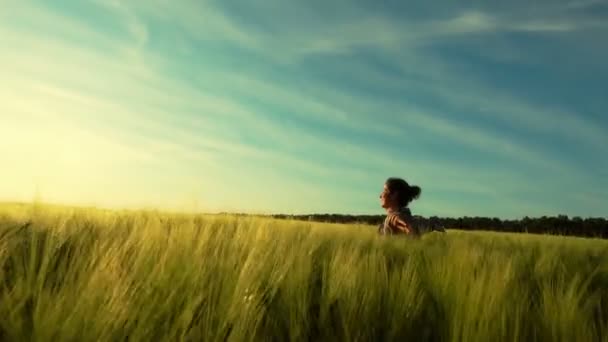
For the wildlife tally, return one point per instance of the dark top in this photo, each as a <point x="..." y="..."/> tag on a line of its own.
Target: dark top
<point x="399" y="222"/>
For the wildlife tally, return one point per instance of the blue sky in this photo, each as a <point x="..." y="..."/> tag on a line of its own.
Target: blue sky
<point x="281" y="106"/>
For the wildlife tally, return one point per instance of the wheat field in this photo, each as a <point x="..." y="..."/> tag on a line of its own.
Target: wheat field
<point x="70" y="274"/>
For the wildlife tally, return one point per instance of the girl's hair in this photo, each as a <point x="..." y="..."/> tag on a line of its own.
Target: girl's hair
<point x="405" y="192"/>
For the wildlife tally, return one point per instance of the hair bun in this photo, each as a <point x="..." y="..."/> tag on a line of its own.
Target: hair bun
<point x="415" y="191"/>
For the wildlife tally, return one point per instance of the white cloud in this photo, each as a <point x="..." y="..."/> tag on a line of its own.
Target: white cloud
<point x="440" y="78"/>
<point x="120" y="99"/>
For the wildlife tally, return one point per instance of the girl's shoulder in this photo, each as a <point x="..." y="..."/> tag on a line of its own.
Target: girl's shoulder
<point x="403" y="213"/>
<point x="397" y="220"/>
<point x="393" y="219"/>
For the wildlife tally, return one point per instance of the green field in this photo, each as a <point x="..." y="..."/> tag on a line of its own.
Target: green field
<point x="93" y="275"/>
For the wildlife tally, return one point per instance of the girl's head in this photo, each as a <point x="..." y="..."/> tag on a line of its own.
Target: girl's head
<point x="398" y="193"/>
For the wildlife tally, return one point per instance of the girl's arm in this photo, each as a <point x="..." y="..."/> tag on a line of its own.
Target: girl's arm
<point x="400" y="224"/>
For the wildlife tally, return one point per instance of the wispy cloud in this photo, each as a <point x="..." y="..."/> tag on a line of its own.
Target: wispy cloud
<point x="283" y="115"/>
<point x="439" y="77"/>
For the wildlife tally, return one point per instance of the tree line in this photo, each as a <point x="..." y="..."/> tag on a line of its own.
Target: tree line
<point x="558" y="225"/>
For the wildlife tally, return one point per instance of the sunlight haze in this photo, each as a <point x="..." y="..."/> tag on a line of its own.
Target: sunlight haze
<point x="300" y="107"/>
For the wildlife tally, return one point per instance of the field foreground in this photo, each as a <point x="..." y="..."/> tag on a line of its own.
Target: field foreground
<point x="92" y="275"/>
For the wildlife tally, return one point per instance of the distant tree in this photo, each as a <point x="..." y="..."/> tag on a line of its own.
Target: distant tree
<point x="560" y="224"/>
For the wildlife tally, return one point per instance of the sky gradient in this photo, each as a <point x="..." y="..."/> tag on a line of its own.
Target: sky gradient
<point x="296" y="107"/>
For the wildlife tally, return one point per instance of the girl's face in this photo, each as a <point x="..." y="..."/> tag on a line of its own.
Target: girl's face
<point x="386" y="201"/>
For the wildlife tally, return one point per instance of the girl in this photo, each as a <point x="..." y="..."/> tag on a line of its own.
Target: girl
<point x="395" y="198"/>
